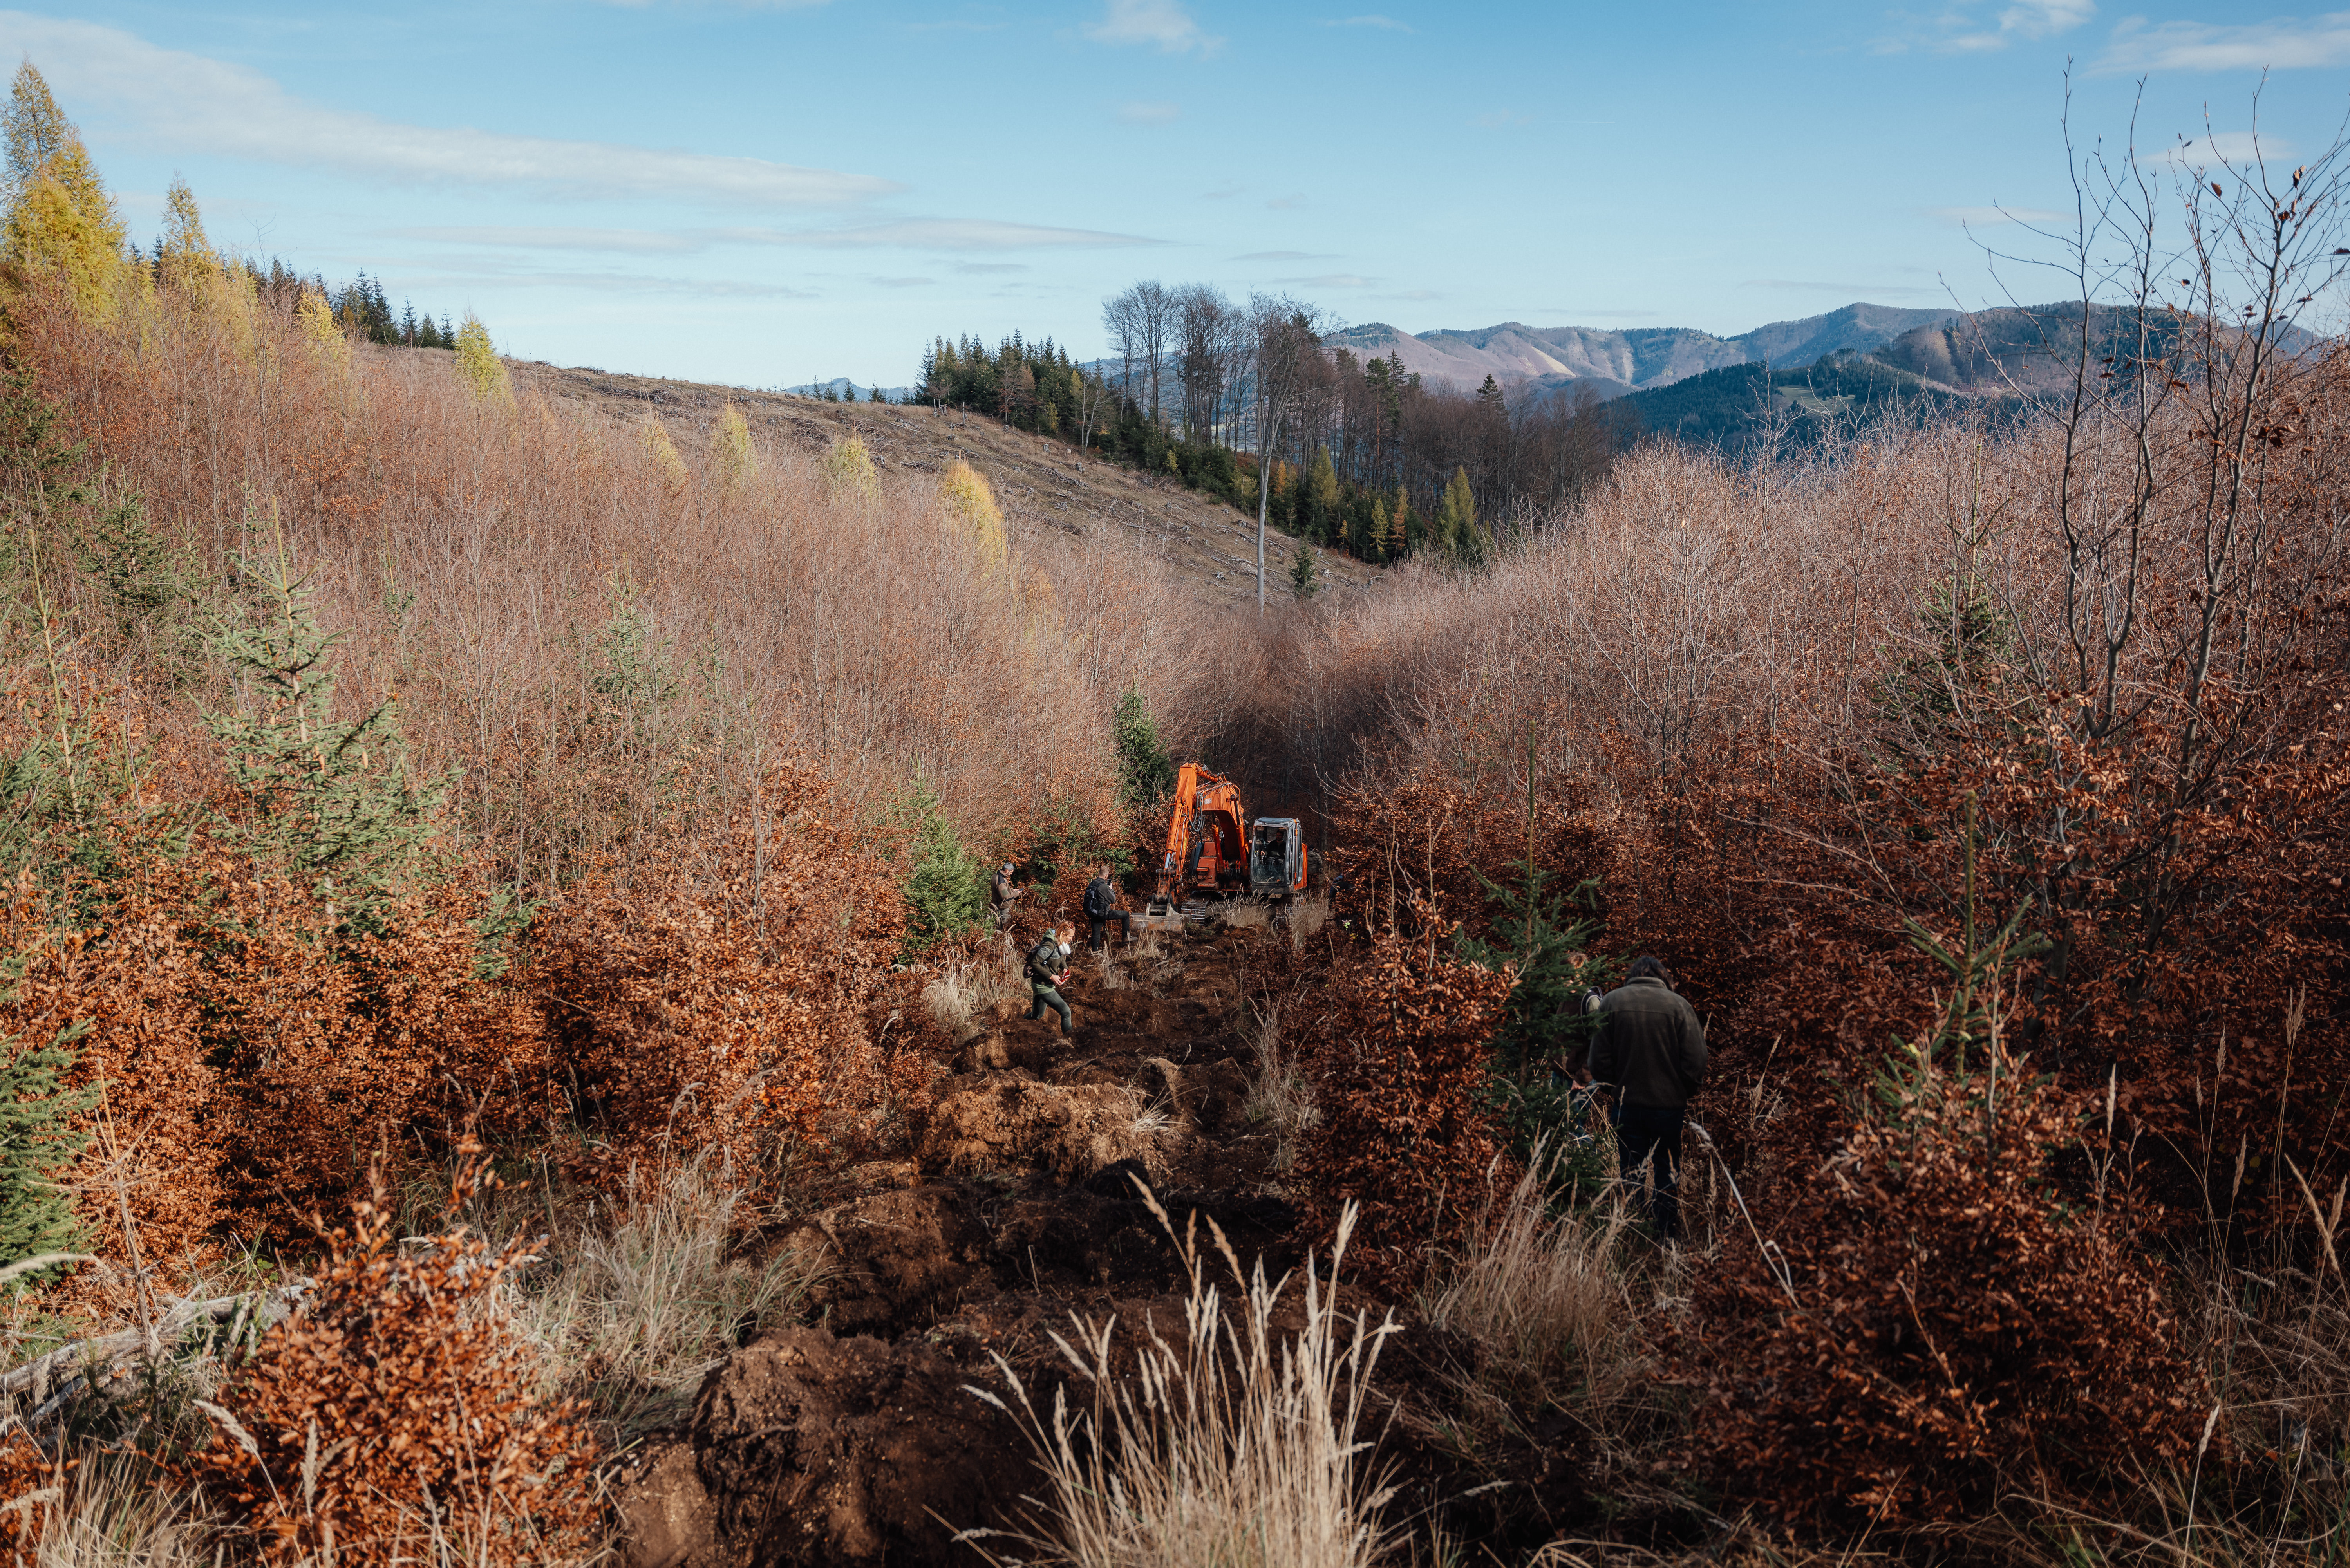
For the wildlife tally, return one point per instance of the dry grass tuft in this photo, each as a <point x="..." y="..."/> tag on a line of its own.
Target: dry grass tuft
<point x="965" y="992"/>
<point x="1234" y="1446"/>
<point x="640" y="1310"/>
<point x="1243" y="914"/>
<point x="1282" y="1098"/>
<point x="1308" y="913"/>
<point x="1548" y="1295"/>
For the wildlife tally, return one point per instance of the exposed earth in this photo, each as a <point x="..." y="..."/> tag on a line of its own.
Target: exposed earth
<point x="856" y="1438"/>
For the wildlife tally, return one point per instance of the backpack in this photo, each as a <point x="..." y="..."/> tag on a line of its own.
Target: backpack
<point x="1098" y="897"/>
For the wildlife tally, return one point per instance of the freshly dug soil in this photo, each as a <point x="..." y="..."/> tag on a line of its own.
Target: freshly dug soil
<point x="859" y="1440"/>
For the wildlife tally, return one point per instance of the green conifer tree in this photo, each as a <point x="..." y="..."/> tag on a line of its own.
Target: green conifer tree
<point x="944" y="888"/>
<point x="1381" y="548"/>
<point x="1304" y="573"/>
<point x="327" y="801"/>
<point x="1145" y="772"/>
<point x="38" y="1139"/>
<point x="1457" y="534"/>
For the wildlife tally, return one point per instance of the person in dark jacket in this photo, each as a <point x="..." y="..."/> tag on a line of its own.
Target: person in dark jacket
<point x="1102" y="906"/>
<point x="1048" y="966"/>
<point x="1001" y="896"/>
<point x="1650" y="1049"/>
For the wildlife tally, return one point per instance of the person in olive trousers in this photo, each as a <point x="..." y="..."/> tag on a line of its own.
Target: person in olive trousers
<point x="1651" y="1050"/>
<point x="1048" y="966"/>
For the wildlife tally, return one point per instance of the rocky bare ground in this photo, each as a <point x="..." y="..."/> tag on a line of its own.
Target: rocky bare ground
<point x="854" y="1439"/>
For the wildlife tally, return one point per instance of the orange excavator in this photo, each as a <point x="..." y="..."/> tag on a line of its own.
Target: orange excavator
<point x="1213" y="848"/>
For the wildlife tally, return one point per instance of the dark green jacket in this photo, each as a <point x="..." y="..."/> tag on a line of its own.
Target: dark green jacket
<point x="1650" y="1045"/>
<point x="1046" y="959"/>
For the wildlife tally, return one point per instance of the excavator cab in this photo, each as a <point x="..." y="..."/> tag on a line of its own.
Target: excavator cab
<point x="1276" y="857"/>
<point x="1213" y="849"/>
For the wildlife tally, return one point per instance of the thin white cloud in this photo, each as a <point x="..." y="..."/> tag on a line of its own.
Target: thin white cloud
<point x="189" y="103"/>
<point x="1983" y="217"/>
<point x="1387" y="23"/>
<point x="1150" y="113"/>
<point x="629" y="242"/>
<point x="982" y="268"/>
<point x="614" y="283"/>
<point x="2282" y="43"/>
<point x="1288" y="204"/>
<point x="910" y="234"/>
<point x="1163" y="24"/>
<point x="1415" y="296"/>
<point x="1332" y="280"/>
<point x="939" y="235"/>
<point x="903" y="282"/>
<point x="1503" y="118"/>
<point x="2219" y="147"/>
<point x="1284" y="255"/>
<point x="2044" y="19"/>
<point x="1959" y="28"/>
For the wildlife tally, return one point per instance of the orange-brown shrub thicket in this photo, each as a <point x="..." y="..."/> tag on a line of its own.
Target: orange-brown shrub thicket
<point x="2101" y="655"/>
<point x="250" y="1046"/>
<point x="729" y="998"/>
<point x="399" y="1407"/>
<point x="1752" y="718"/>
<point x="1938" y="1321"/>
<point x="1393" y="1030"/>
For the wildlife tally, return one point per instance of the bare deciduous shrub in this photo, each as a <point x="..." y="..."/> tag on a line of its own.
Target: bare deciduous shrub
<point x="1235" y="1444"/>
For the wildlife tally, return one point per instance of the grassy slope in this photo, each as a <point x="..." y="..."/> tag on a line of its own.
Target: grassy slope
<point x="1042" y="482"/>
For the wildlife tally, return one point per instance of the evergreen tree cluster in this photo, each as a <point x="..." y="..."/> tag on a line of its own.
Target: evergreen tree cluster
<point x="1028" y="386"/>
<point x="361" y="305"/>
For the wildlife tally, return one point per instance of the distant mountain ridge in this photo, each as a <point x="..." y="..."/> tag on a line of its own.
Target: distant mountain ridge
<point x="1614" y="361"/>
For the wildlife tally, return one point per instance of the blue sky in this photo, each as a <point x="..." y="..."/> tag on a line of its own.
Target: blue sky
<point x="767" y="193"/>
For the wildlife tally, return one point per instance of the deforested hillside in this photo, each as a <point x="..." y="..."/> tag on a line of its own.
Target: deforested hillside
<point x="1048" y="488"/>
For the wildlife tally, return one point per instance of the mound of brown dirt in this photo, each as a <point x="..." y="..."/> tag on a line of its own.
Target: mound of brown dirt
<point x="1009" y="1121"/>
<point x="808" y="1449"/>
<point x="857" y="1441"/>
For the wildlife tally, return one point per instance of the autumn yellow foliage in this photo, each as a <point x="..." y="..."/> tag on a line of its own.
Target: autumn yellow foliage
<point x="972" y="504"/>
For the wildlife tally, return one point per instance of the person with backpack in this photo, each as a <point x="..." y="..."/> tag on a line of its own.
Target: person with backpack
<point x="1102" y="906"/>
<point x="1650" y="1051"/>
<point x="1048" y="966"/>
